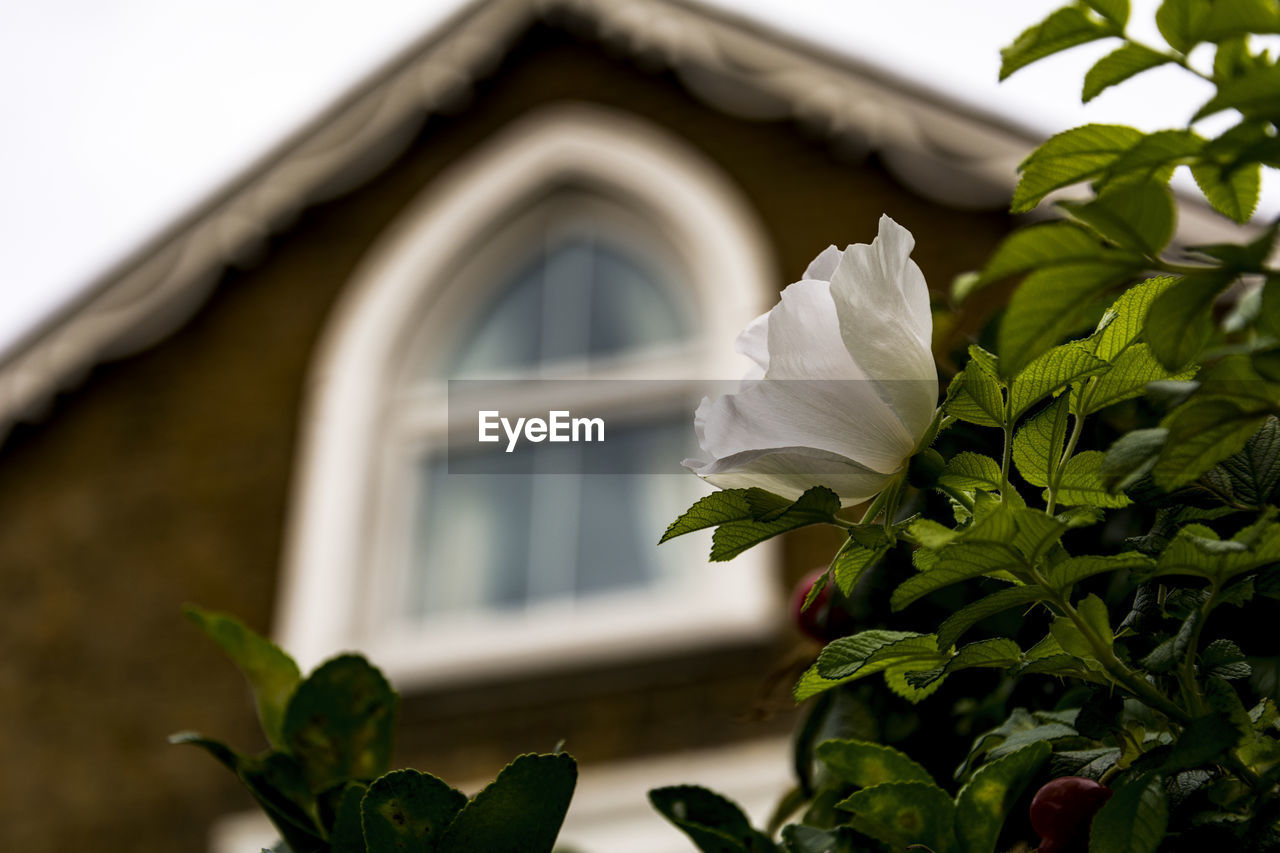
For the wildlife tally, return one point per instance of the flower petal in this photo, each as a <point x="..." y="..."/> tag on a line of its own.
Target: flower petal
<point x="844" y="417"/>
<point x="789" y="471"/>
<point x="821" y="267"/>
<point x="753" y="342"/>
<point x="882" y="303"/>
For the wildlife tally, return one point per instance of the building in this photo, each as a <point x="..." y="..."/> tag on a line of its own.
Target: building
<point x="251" y="417"/>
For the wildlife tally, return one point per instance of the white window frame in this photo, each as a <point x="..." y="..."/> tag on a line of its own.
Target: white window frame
<point x="344" y="502"/>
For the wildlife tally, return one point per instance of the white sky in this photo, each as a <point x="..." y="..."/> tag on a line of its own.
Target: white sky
<point x="121" y="115"/>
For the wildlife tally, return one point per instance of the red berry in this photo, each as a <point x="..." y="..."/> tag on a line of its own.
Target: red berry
<point x="1062" y="810"/>
<point x="823" y="620"/>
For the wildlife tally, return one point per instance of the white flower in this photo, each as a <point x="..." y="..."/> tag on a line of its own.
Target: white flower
<point x="844" y="386"/>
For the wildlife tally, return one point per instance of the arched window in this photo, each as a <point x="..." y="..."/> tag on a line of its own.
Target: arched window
<point x="578" y="245"/>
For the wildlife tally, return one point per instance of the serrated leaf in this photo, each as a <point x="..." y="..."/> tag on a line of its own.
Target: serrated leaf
<point x="996" y="652"/>
<point x="1072" y="570"/>
<point x="1201" y="434"/>
<point x="275" y="781"/>
<point x="1049" y="304"/>
<point x="713" y="822"/>
<point x="1043" y="245"/>
<point x="1196" y="551"/>
<point x="1052" y="372"/>
<point x="407" y="810"/>
<point x="866" y="764"/>
<point x="869" y="652"/>
<point x="1124" y="319"/>
<point x="1064" y="28"/>
<point x="271" y="673"/>
<point x="348" y="826"/>
<point x="1132" y="457"/>
<point x="931" y="534"/>
<point x="955" y="625"/>
<point x="1203" y="741"/>
<point x="710" y="511"/>
<point x="1073" y="641"/>
<point x="983" y="804"/>
<point x="1254" y="471"/>
<point x="818" y="505"/>
<point x="339" y="722"/>
<point x="1139" y="216"/>
<point x="1126" y="61"/>
<point x="1068" y="158"/>
<point x="1133" y="820"/>
<point x="1232" y="191"/>
<point x="975" y="396"/>
<point x="1151" y="159"/>
<point x="851" y="653"/>
<point x="1039" y="443"/>
<point x="1130" y="373"/>
<point x="902" y="814"/>
<point x="956" y="563"/>
<point x="1182" y="22"/>
<point x="969" y="471"/>
<point x="520" y="811"/>
<point x="1223" y="659"/>
<point x="1081" y="482"/>
<point x="1255" y="93"/>
<point x="851" y="562"/>
<point x="1116" y="11"/>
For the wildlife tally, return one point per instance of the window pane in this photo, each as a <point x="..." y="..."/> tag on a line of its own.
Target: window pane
<point x="577" y="300"/>
<point x="511" y="540"/>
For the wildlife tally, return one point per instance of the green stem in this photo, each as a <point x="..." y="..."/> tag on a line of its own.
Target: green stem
<point x="1067" y="451"/>
<point x="1174" y="57"/>
<point x="956" y="495"/>
<point x="1187" y="672"/>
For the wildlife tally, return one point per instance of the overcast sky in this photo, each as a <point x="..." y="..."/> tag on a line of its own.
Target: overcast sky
<point x="120" y="115"/>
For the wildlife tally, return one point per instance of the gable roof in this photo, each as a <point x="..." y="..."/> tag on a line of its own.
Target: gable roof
<point x="943" y="150"/>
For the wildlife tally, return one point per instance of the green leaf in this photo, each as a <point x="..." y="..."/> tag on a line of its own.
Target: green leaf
<point x="902" y="814"/>
<point x="1133" y="820"/>
<point x="408" y="811"/>
<point x="1073" y="641"/>
<point x="1201" y="434"/>
<point x="339" y="722"/>
<point x="1052" y="372"/>
<point x="1123" y="321"/>
<point x="518" y="812"/>
<point x="1179" y="322"/>
<point x="1064" y="28"/>
<point x="1130" y="373"/>
<point x="1254" y="472"/>
<point x="1256" y="94"/>
<point x="276" y="782"/>
<point x="997" y="652"/>
<point x="956" y="563"/>
<point x="1038" y="445"/>
<point x="983" y="804"/>
<point x="1072" y="570"/>
<point x="727" y="505"/>
<point x="969" y="471"/>
<point x="848" y="652"/>
<point x="1116" y="11"/>
<point x="1081" y="482"/>
<point x="1044" y="245"/>
<point x="1049" y="304"/>
<point x="869" y="652"/>
<point x="1139" y="217"/>
<point x="348" y="825"/>
<point x="1183" y="22"/>
<point x="931" y="534"/>
<point x="271" y="673"/>
<point x="851" y="562"/>
<point x="817" y="505"/>
<point x="1232" y="191"/>
<point x="1223" y="659"/>
<point x="975" y="396"/>
<point x="1132" y="457"/>
<point x="1119" y="65"/>
<point x="1197" y="551"/>
<point x="1068" y="158"/>
<point x="955" y="625"/>
<point x="714" y="823"/>
<point x="867" y="764"/>
<point x="1152" y="159"/>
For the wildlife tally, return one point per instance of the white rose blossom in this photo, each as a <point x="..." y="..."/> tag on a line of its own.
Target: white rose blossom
<point x="844" y="386"/>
